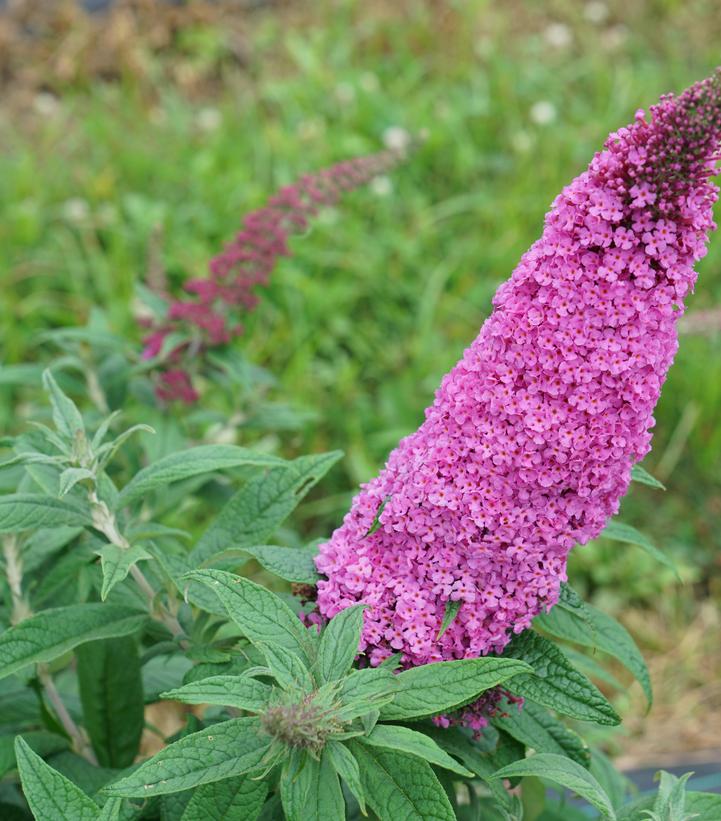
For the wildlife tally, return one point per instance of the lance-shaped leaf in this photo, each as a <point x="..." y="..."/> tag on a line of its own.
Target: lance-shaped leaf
<point x="365" y="690"/>
<point x="347" y="768"/>
<point x="643" y="477"/>
<point x="447" y="685"/>
<point x="49" y="634"/>
<point x="294" y="564"/>
<point x="241" y="692"/>
<point x="31" y="511"/>
<point x="412" y="742"/>
<point x="312" y="791"/>
<point x="51" y="796"/>
<point x="220" y="751"/>
<point x="556" y="683"/>
<point x="621" y="532"/>
<point x="42" y="742"/>
<point x="116" y="563"/>
<point x="339" y="643"/>
<point x="261" y="505"/>
<point x="111" y="692"/>
<point x="260" y="614"/>
<point x="564" y="772"/>
<point x="398" y="785"/>
<point x="535" y="727"/>
<point x="240" y="797"/>
<point x="66" y="416"/>
<point x="286" y="668"/>
<point x="192" y="462"/>
<point x="598" y="630"/>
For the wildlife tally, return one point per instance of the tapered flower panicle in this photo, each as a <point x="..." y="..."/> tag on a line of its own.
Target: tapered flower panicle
<point x="528" y="446"/>
<point x="210" y="315"/>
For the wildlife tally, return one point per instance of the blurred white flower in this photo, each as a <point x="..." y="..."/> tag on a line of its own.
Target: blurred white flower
<point x="543" y="112"/>
<point x="381" y="186"/>
<point x="209" y="119"/>
<point x="614" y="37"/>
<point x="595" y="11"/>
<point x="345" y="93"/>
<point x="558" y="35"/>
<point x="369" y="81"/>
<point x="46" y="104"/>
<point x="396" y="138"/>
<point x="75" y="209"/>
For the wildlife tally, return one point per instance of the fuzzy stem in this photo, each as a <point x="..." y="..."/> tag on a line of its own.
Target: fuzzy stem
<point x="14" y="572"/>
<point x="104" y="520"/>
<point x="80" y="742"/>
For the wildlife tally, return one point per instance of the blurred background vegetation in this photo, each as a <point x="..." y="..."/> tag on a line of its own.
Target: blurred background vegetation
<point x="133" y="139"/>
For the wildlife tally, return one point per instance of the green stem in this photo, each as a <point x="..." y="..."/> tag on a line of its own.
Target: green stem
<point x="80" y="742"/>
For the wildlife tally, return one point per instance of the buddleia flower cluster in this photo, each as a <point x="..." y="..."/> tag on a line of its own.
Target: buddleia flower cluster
<point x="209" y="316"/>
<point x="529" y="444"/>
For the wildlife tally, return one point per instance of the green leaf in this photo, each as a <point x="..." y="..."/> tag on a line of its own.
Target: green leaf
<point x="621" y="532"/>
<point x="565" y="772"/>
<point x="66" y="416"/>
<point x="260" y="614"/>
<point x="449" y="616"/>
<point x="293" y="564"/>
<point x="601" y="632"/>
<point x="706" y="806"/>
<point x="71" y="476"/>
<point x="241" y="692"/>
<point x="41" y="742"/>
<point x="191" y="462"/>
<point x="286" y="667"/>
<point x="400" y="786"/>
<point x="220" y="751"/>
<point x="615" y="783"/>
<point x="642" y="476"/>
<point x="347" y="768"/>
<point x="556" y="683"/>
<point x="538" y="729"/>
<point x="50" y="634"/>
<point x="312" y="793"/>
<point x="51" y="796"/>
<point x="446" y="685"/>
<point x="405" y="740"/>
<point x="376" y="523"/>
<point x="339" y="643"/>
<point x="31" y="511"/>
<point x="240" y="797"/>
<point x="111" y="810"/>
<point x="261" y="505"/>
<point x="111" y="692"/>
<point x="365" y="690"/>
<point x="116" y="563"/>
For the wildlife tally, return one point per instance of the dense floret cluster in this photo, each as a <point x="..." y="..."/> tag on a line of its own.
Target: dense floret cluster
<point x="528" y="446"/>
<point x="210" y="315"/>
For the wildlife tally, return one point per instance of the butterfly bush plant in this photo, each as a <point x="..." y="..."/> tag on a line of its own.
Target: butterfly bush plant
<point x="430" y="659"/>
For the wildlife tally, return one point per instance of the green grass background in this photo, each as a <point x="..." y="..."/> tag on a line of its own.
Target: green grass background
<point x="100" y="179"/>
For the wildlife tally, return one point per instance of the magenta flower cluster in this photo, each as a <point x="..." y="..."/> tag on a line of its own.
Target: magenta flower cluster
<point x="210" y="315"/>
<point x="528" y="446"/>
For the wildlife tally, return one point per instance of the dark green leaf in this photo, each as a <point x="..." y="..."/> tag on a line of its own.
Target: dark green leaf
<point x="339" y="643"/>
<point x="564" y="772"/>
<point x="40" y="741"/>
<point x="31" y="511"/>
<point x="241" y="692"/>
<point x="261" y="505"/>
<point x="50" y="795"/>
<point x="191" y="462"/>
<point x="286" y="668"/>
<point x="641" y="475"/>
<point x="66" y="416"/>
<point x="116" y="563"/>
<point x="535" y="727"/>
<point x="602" y="632"/>
<point x="220" y="751"/>
<point x="240" y="798"/>
<point x="376" y="523"/>
<point x="312" y="792"/>
<point x="449" y="616"/>
<point x="556" y="683"/>
<point x="111" y="692"/>
<point x="294" y="564"/>
<point x="400" y="786"/>
<point x="260" y="614"/>
<point x="347" y="768"/>
<point x="405" y="740"/>
<point x="49" y="634"/>
<point x="365" y="690"/>
<point x="447" y="685"/>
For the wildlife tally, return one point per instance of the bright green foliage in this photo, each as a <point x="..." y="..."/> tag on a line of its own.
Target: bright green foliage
<point x="240" y="692"/>
<point x="339" y="644"/>
<point x="240" y="797"/>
